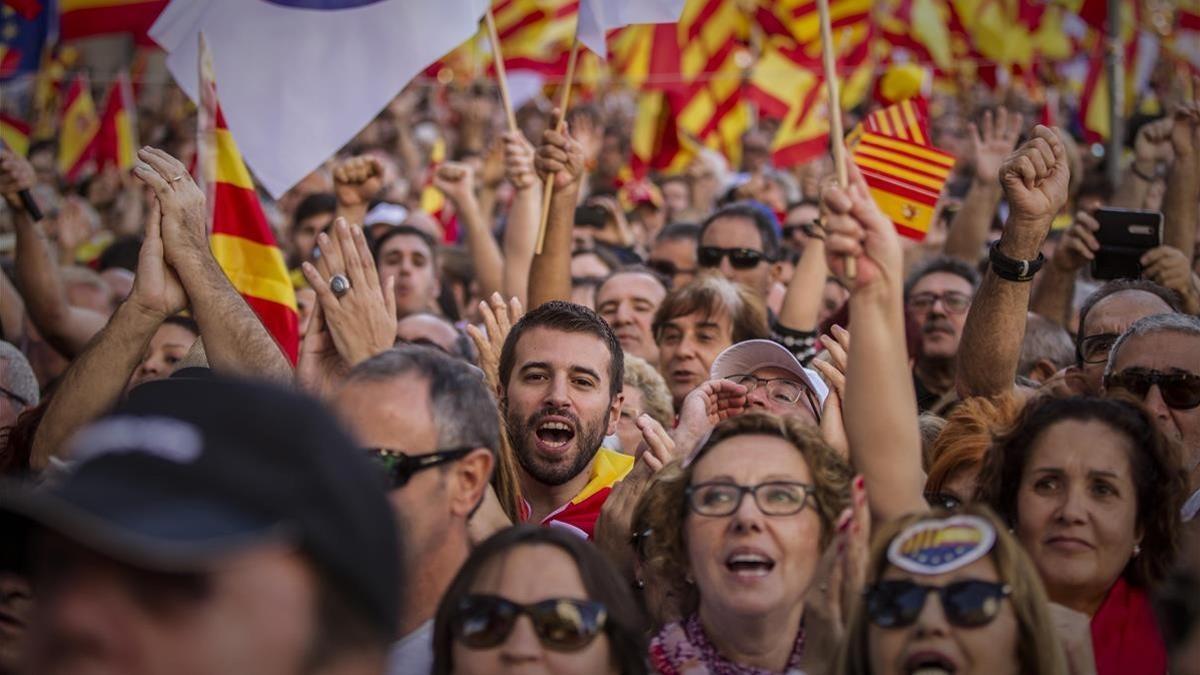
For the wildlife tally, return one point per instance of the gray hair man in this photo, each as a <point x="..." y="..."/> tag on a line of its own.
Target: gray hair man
<point x="18" y="385"/>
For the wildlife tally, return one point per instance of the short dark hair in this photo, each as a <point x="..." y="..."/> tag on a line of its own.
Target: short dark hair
<point x="678" y="231"/>
<point x="941" y="263"/>
<point x="757" y="215"/>
<point x="1168" y="296"/>
<point x="185" y="322"/>
<point x="711" y="295"/>
<point x="314" y="205"/>
<point x="636" y="269"/>
<point x="404" y="230"/>
<point x="1156" y="468"/>
<point x="567" y="317"/>
<point x="624" y="624"/>
<point x="122" y="253"/>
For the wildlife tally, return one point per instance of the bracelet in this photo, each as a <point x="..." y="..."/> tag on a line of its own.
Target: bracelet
<point x="1133" y="168"/>
<point x="1012" y="269"/>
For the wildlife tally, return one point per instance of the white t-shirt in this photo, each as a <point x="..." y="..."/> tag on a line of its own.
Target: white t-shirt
<point x="413" y="653"/>
<point x="1191" y="508"/>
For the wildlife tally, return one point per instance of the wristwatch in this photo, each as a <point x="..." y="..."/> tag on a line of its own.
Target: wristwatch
<point x="1011" y="269"/>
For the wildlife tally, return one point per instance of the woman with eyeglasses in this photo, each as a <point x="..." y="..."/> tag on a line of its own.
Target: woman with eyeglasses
<point x="1093" y="492"/>
<point x="950" y="593"/>
<point x="743" y="527"/>
<point x="536" y="598"/>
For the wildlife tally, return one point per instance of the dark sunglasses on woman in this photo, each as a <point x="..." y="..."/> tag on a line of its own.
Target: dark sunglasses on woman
<point x="970" y="603"/>
<point x="1180" y="390"/>
<point x="739" y="258"/>
<point x="561" y="624"/>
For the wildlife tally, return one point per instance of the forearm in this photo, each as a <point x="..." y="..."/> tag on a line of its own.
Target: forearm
<point x="1180" y="205"/>
<point x="94" y="381"/>
<point x="969" y="230"/>
<point x="406" y="150"/>
<point x="487" y="206"/>
<point x="485" y="252"/>
<point x="802" y="303"/>
<point x="550" y="273"/>
<point x="12" y="311"/>
<point x="1053" y="294"/>
<point x="1131" y="193"/>
<point x="520" y="237"/>
<point x="68" y="329"/>
<point x="235" y="341"/>
<point x="885" y="442"/>
<point x="354" y="214"/>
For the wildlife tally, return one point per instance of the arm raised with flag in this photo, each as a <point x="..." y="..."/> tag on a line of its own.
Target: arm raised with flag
<point x="560" y="157"/>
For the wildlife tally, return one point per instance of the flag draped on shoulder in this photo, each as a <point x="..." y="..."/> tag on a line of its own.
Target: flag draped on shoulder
<point x="240" y="236"/>
<point x="117" y="143"/>
<point x="77" y="131"/>
<point x="277" y="59"/>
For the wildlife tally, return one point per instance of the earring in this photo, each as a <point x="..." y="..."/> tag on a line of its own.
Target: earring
<point x="640" y="584"/>
<point x="1137" y="550"/>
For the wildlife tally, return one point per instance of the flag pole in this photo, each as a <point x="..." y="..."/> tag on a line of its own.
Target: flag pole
<point x="489" y="20"/>
<point x="836" y="141"/>
<point x="1114" y="70"/>
<point x="563" y="102"/>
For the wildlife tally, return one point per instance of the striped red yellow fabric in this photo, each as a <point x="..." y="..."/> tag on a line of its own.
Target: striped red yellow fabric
<point x="78" y="127"/>
<point x="14" y="133"/>
<point x="905" y="179"/>
<point x="713" y="41"/>
<point x="116" y="142"/>
<point x="907" y="120"/>
<point x="88" y="18"/>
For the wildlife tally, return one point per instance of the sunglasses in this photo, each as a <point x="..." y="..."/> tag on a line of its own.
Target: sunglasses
<point x="739" y="258"/>
<point x="400" y="467"/>
<point x="668" y="268"/>
<point x="966" y="604"/>
<point x="561" y="624"/>
<point x="1179" y="390"/>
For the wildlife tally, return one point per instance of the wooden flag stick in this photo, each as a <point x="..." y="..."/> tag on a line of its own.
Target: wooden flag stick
<point x="489" y="19"/>
<point x="563" y="102"/>
<point x="836" y="140"/>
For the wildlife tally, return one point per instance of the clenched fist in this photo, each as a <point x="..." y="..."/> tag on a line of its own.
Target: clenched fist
<point x="1035" y="180"/>
<point x="357" y="180"/>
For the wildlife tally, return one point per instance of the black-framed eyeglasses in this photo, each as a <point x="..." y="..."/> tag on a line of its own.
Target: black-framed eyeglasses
<point x="781" y="389"/>
<point x="943" y="500"/>
<point x="953" y="301"/>
<point x="969" y="603"/>
<point x="562" y="624"/>
<point x="1179" y="390"/>
<point x="400" y="466"/>
<point x="1095" y="348"/>
<point x="16" y="397"/>
<point x="773" y="498"/>
<point x="739" y="258"/>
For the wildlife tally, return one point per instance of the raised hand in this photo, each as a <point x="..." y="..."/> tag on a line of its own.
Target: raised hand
<point x="498" y="320"/>
<point x="589" y="135"/>
<point x="457" y="181"/>
<point x="16" y="174"/>
<point x="1035" y="180"/>
<point x="855" y="227"/>
<point x="704" y="408"/>
<point x="833" y="428"/>
<point x="156" y="289"/>
<point x="561" y="156"/>
<point x="320" y="368"/>
<point x="1185" y="127"/>
<point x="184" y="219"/>
<point x="992" y="140"/>
<point x="1153" y="145"/>
<point x="518" y="160"/>
<point x="657" y="448"/>
<point x="1170" y="268"/>
<point x="362" y="321"/>
<point x="357" y="180"/>
<point x="1079" y="245"/>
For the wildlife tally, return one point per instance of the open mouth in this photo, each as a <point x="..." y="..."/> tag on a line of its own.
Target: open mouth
<point x="929" y="663"/>
<point x="554" y="434"/>
<point x="747" y="564"/>
<point x="682" y="376"/>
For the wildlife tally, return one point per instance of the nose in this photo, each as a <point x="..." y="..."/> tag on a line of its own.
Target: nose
<point x="522" y="645"/>
<point x="624" y="314"/>
<point x="1073" y="507"/>
<point x="726" y="267"/>
<point x="1155" y="403"/>
<point x="757" y="397"/>
<point x="556" y="393"/>
<point x="931" y="622"/>
<point x="748" y="517"/>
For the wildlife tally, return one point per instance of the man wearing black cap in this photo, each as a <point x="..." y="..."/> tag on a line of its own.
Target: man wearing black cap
<point x="209" y="526"/>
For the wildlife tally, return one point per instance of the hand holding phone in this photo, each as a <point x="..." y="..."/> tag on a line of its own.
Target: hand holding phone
<point x="1124" y="235"/>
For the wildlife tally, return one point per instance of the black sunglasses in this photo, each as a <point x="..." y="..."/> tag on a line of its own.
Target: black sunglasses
<point x="1180" y="391"/>
<point x="739" y="258"/>
<point x="561" y="624"/>
<point x="966" y="604"/>
<point x="667" y="268"/>
<point x="400" y="467"/>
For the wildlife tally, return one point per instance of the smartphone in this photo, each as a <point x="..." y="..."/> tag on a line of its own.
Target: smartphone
<point x="1125" y="235"/>
<point x="591" y="216"/>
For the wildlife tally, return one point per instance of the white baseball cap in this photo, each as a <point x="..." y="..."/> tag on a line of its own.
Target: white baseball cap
<point x="748" y="356"/>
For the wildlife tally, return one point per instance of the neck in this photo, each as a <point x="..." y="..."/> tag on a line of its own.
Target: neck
<point x="546" y="499"/>
<point x="754" y="640"/>
<point x="937" y="374"/>
<point x="431" y="570"/>
<point x="1086" y="600"/>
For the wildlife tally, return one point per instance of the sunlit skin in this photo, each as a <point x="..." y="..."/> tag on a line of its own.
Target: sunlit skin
<point x="758" y="399"/>
<point x="687" y="346"/>
<point x="409" y="260"/>
<point x="627" y="302"/>
<point x="508" y="576"/>
<point x="169" y="345"/>
<point x="1077" y="511"/>
<point x="988" y="649"/>
<point x="679" y="252"/>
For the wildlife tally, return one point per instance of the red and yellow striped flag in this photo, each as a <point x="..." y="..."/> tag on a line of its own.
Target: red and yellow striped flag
<point x="241" y="237"/>
<point x="88" y="18"/>
<point x="77" y="130"/>
<point x="907" y="120"/>
<point x="14" y="133"/>
<point x="116" y="143"/>
<point x="905" y="179"/>
<point x="713" y="37"/>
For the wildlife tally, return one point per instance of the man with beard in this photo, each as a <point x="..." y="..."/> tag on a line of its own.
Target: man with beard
<point x="936" y="299"/>
<point x="561" y="374"/>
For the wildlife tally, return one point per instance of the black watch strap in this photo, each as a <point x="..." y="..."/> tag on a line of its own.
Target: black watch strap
<point x="1011" y="269"/>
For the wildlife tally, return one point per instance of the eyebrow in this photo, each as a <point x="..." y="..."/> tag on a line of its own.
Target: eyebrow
<point x="1094" y="473"/>
<point x="543" y="365"/>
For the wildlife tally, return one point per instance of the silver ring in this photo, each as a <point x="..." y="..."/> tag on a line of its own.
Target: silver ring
<point x="179" y="177"/>
<point x="339" y="284"/>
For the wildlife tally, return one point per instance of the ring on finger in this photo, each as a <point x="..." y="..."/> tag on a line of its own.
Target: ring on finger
<point x="339" y="284"/>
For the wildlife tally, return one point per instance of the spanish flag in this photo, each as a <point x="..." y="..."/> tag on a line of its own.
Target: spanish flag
<point x="907" y="120"/>
<point x="89" y="18"/>
<point x="14" y="133"/>
<point x="117" y="143"/>
<point x="433" y="201"/>
<point x="905" y="179"/>
<point x="78" y="128"/>
<point x="241" y="239"/>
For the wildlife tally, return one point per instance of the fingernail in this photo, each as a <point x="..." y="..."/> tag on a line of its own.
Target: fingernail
<point x="860" y="483"/>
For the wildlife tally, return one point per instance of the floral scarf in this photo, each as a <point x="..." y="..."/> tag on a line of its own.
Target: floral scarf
<point x="684" y="649"/>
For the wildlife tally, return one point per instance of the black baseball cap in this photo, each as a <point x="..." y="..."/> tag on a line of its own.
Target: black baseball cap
<point x="188" y="471"/>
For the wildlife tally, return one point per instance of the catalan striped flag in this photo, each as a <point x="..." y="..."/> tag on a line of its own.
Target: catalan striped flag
<point x="905" y="179"/>
<point x="907" y="120"/>
<point x="14" y="133"/>
<point x="78" y="127"/>
<point x="713" y="40"/>
<point x="241" y="238"/>
<point x="117" y="143"/>
<point x="89" y="18"/>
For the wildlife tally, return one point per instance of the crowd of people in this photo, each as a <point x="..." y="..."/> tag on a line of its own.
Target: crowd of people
<point x="682" y="435"/>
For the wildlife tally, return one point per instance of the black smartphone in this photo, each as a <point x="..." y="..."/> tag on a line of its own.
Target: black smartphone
<point x="591" y="216"/>
<point x="1124" y="235"/>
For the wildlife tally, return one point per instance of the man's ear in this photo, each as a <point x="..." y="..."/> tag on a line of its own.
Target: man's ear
<point x="469" y="478"/>
<point x="614" y="413"/>
<point x="1043" y="370"/>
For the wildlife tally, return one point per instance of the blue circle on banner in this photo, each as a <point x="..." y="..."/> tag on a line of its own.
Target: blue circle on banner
<point x="323" y="4"/>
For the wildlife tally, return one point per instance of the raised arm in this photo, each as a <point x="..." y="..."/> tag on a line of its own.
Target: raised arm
<point x="68" y="329"/>
<point x="1151" y="148"/>
<point x="98" y="376"/>
<point x="1035" y="180"/>
<point x="355" y="182"/>
<point x="1054" y="293"/>
<point x="550" y="275"/>
<point x="802" y="302"/>
<point x="1182" y="199"/>
<point x="992" y="142"/>
<point x="12" y="311"/>
<point x="880" y="406"/>
<point x="457" y="181"/>
<point x="235" y="340"/>
<point x="520" y="231"/>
